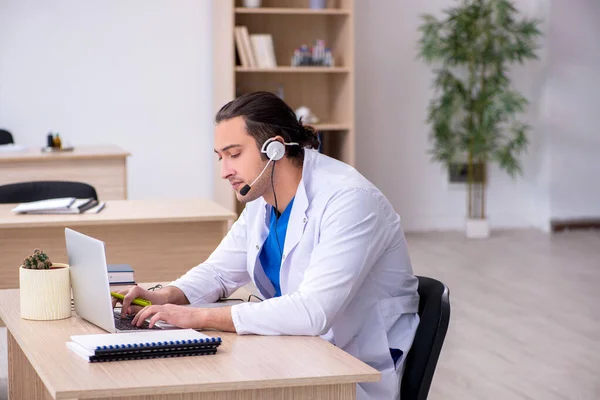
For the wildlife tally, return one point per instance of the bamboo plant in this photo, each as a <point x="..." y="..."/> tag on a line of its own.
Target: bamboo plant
<point x="473" y="116"/>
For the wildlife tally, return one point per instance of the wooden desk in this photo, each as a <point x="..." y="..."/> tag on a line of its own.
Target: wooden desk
<point x="104" y="167"/>
<point x="160" y="239"/>
<point x="245" y="367"/>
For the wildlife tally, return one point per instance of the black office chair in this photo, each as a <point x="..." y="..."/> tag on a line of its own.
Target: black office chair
<point x="434" y="311"/>
<point x="25" y="192"/>
<point x="6" y="137"/>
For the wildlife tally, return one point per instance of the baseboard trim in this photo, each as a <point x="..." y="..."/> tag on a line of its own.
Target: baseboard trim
<point x="574" y="224"/>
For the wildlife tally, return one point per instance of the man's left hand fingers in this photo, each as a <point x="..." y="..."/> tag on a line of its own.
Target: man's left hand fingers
<point x="157" y="317"/>
<point x="144" y="313"/>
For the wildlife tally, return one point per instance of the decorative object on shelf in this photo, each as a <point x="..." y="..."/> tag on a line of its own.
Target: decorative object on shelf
<point x="474" y="116"/>
<point x="252" y="3"/>
<point x="306" y="115"/>
<point x="45" y="288"/>
<point x="318" y="4"/>
<point x="317" y="56"/>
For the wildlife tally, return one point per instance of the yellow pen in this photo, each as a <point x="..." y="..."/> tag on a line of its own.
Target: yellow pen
<point x="138" y="301"/>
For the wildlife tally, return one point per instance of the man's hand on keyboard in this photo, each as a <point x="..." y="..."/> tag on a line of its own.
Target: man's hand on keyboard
<point x="180" y="316"/>
<point x="133" y="292"/>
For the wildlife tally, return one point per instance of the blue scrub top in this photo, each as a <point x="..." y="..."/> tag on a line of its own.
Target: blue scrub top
<point x="270" y="256"/>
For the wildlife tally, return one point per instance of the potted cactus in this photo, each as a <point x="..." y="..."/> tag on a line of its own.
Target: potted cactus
<point x="45" y="288"/>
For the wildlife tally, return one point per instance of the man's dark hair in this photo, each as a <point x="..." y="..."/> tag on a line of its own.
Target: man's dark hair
<point x="267" y="116"/>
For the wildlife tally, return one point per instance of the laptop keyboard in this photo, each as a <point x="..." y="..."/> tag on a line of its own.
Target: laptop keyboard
<point x="124" y="324"/>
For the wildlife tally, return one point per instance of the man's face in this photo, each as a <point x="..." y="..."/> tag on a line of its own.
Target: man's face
<point x="240" y="159"/>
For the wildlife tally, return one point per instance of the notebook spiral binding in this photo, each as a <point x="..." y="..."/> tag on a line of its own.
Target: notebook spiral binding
<point x="164" y="349"/>
<point x="143" y="356"/>
<point x="159" y="344"/>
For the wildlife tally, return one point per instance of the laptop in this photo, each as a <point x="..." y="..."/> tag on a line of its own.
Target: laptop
<point x="90" y="285"/>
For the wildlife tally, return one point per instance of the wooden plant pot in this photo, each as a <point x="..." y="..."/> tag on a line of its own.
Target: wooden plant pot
<point x="45" y="294"/>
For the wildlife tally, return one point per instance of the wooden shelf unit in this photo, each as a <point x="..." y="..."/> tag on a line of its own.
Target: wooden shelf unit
<point x="327" y="91"/>
<point x="294" y="70"/>
<point x="292" y="11"/>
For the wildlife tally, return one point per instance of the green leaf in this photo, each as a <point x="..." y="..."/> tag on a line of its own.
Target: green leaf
<point x="528" y="29"/>
<point x="431" y="44"/>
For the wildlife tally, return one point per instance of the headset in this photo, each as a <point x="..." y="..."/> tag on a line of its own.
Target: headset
<point x="275" y="150"/>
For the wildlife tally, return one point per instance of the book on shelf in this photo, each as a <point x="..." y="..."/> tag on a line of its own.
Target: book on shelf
<point x="241" y="47"/>
<point x="244" y="47"/>
<point x="143" y="344"/>
<point x="262" y="46"/>
<point x="63" y="205"/>
<point x="120" y="274"/>
<point x="256" y="50"/>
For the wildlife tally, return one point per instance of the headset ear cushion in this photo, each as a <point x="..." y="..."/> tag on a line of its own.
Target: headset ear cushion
<point x="275" y="150"/>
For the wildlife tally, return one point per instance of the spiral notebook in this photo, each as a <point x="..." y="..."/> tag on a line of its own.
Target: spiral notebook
<point x="139" y="345"/>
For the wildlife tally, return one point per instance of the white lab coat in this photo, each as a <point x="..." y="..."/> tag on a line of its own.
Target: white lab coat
<point x="345" y="275"/>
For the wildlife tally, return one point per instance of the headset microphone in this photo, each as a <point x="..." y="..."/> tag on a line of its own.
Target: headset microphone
<point x="244" y="191"/>
<point x="274" y="149"/>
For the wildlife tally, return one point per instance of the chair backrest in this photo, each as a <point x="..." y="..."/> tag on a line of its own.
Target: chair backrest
<point x="434" y="313"/>
<point x="6" y="137"/>
<point x="25" y="192"/>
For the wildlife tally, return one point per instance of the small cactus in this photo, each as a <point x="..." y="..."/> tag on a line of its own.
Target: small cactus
<point x="38" y="260"/>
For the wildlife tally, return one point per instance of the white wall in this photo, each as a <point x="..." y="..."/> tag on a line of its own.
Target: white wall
<point x="573" y="94"/>
<point x="134" y="73"/>
<point x="393" y="91"/>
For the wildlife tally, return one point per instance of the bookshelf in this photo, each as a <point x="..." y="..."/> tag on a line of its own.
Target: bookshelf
<point x="302" y="10"/>
<point x="327" y="90"/>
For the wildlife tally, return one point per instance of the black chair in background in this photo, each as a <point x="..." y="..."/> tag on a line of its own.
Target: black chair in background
<point x="25" y="192"/>
<point x="434" y="312"/>
<point x="6" y="137"/>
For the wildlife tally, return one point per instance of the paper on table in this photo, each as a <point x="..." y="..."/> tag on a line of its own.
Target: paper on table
<point x="50" y="204"/>
<point x="77" y="207"/>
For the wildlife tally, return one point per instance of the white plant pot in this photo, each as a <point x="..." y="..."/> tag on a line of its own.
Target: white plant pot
<point x="477" y="228"/>
<point x="252" y="3"/>
<point x="45" y="294"/>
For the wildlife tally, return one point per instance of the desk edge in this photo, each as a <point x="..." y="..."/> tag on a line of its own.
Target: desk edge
<point x="115" y="221"/>
<point x="221" y="387"/>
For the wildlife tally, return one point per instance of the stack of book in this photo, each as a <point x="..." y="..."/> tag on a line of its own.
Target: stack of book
<point x="256" y="50"/>
<point x="120" y="274"/>
<point x="63" y="205"/>
<point x="143" y="344"/>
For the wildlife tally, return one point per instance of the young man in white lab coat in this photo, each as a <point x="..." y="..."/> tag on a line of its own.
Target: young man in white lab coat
<point x="322" y="244"/>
